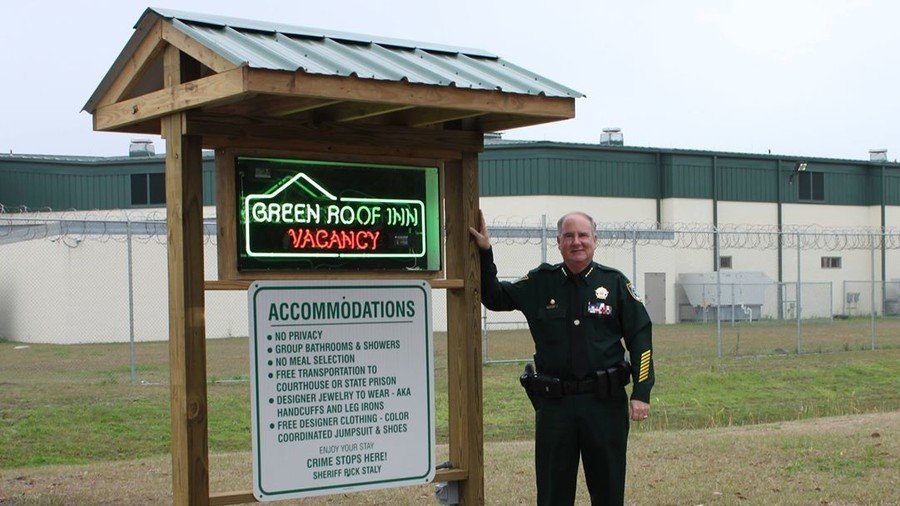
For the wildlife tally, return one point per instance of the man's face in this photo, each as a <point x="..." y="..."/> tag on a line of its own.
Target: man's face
<point x="577" y="242"/>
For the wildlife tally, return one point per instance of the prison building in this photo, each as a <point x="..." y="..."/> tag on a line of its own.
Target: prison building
<point x="657" y="209"/>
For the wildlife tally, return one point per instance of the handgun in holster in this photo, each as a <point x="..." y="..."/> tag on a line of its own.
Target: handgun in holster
<point x="526" y="380"/>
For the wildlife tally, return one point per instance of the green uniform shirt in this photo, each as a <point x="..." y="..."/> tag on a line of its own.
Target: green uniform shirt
<point x="606" y="310"/>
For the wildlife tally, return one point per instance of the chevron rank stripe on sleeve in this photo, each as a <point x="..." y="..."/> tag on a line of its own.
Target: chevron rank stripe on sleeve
<point x="645" y="366"/>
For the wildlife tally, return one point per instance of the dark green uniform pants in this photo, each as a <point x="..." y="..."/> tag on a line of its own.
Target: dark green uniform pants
<point x="587" y="427"/>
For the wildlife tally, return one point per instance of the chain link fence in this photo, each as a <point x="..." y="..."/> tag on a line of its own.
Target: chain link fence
<point x="740" y="309"/>
<point x="83" y="295"/>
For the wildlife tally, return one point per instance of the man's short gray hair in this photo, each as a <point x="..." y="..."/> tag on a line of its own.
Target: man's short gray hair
<point x="575" y="213"/>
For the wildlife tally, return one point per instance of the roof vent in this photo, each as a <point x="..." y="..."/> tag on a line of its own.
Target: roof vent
<point x="611" y="137"/>
<point x="141" y="147"/>
<point x="878" y="155"/>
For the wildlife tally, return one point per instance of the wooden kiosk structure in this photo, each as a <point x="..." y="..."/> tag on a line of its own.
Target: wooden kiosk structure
<point x="239" y="86"/>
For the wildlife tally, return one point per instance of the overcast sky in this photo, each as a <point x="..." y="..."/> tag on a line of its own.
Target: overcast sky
<point x="791" y="77"/>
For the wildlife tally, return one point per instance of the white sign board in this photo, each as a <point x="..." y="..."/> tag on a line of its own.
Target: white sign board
<point x="342" y="386"/>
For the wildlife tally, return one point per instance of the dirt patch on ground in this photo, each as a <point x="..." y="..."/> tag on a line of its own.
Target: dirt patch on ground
<point x="835" y="425"/>
<point x="840" y="460"/>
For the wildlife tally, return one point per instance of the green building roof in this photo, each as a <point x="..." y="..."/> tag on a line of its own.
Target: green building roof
<point x="507" y="168"/>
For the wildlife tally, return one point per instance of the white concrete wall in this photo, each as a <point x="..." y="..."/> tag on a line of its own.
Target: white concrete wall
<point x="827" y="216"/>
<point x="686" y="211"/>
<point x="530" y="208"/>
<point x="892" y="216"/>
<point x="748" y="213"/>
<point x="856" y="265"/>
<point x="69" y="291"/>
<point x="54" y="293"/>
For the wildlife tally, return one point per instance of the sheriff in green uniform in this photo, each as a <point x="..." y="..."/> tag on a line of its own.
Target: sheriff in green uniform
<point x="579" y="313"/>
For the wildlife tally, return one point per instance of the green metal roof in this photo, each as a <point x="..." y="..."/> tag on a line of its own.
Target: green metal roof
<point x="500" y="144"/>
<point x="276" y="46"/>
<point x="506" y="168"/>
<point x="559" y="168"/>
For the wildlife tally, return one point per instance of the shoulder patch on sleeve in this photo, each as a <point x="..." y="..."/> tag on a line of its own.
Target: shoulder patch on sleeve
<point x="634" y="294"/>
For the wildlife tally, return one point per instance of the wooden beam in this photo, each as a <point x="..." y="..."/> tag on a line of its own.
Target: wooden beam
<point x="451" y="475"/>
<point x="329" y="135"/>
<point x="195" y="49"/>
<point x="352" y="111"/>
<point x="269" y="105"/>
<point x="426" y="116"/>
<point x="187" y="335"/>
<point x="285" y="106"/>
<point x="300" y="105"/>
<point x="339" y="157"/>
<point x="243" y="285"/>
<point x="403" y="93"/>
<point x="187" y="328"/>
<point x="464" y="363"/>
<point x="225" y="498"/>
<point x="212" y="141"/>
<point x="226" y="213"/>
<point x="219" y="88"/>
<point x="150" y="127"/>
<point x="498" y="122"/>
<point x="254" y="275"/>
<point x="228" y="284"/>
<point x="148" y="50"/>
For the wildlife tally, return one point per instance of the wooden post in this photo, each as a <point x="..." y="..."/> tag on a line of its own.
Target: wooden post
<point x="463" y="329"/>
<point x="187" y="328"/>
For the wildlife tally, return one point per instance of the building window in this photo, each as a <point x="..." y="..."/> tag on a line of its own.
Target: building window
<point x="811" y="186"/>
<point x="148" y="189"/>
<point x="831" y="262"/>
<point x="725" y="262"/>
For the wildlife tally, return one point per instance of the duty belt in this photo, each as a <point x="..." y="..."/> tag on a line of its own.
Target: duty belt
<point x="606" y="383"/>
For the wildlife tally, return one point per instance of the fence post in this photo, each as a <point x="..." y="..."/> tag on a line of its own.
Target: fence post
<point x="718" y="266"/>
<point x="130" y="300"/>
<point x="543" y="238"/>
<point x="872" y="250"/>
<point x="732" y="301"/>
<point x="831" y="300"/>
<point x="798" y="304"/>
<point x="844" y="298"/>
<point x="634" y="280"/>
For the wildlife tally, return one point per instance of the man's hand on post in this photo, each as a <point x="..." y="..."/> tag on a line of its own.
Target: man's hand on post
<point x="640" y="410"/>
<point x="481" y="235"/>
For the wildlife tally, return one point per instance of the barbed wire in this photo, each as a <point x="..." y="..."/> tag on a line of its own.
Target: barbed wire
<point x="71" y="227"/>
<point x="514" y="230"/>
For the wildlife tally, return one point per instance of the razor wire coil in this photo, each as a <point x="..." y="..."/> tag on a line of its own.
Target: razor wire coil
<point x="72" y="228"/>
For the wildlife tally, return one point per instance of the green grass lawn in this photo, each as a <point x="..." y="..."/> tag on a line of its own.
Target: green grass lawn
<point x="76" y="404"/>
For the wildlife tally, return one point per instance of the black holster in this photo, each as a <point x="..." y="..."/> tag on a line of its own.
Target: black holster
<point x="527" y="382"/>
<point x="610" y="382"/>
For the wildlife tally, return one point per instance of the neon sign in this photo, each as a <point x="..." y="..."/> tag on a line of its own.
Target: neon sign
<point x="301" y="214"/>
